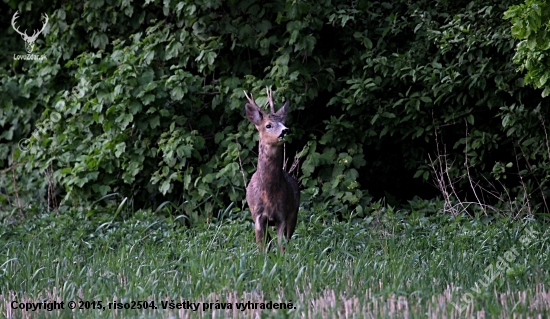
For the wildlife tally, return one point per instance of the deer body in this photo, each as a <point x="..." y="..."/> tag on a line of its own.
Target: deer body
<point x="272" y="194"/>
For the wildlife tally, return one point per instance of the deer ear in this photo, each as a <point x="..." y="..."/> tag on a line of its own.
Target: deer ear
<point x="254" y="114"/>
<point x="283" y="112"/>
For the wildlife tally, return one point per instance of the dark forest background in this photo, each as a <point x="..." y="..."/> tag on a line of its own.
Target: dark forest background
<point x="144" y="103"/>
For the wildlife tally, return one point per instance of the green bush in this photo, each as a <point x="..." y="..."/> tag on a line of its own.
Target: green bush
<point x="530" y="25"/>
<point x="146" y="100"/>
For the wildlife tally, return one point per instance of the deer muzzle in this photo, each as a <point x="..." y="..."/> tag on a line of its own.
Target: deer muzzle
<point x="284" y="133"/>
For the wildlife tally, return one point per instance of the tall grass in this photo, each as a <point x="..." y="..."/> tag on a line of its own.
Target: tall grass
<point x="389" y="266"/>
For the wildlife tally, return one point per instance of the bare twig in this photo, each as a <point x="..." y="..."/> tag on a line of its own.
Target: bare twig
<point x="285" y="160"/>
<point x="534" y="176"/>
<point x="270" y="99"/>
<point x="240" y="162"/>
<point x="475" y="203"/>
<point x="468" y="170"/>
<point x="525" y="194"/>
<point x="296" y="161"/>
<point x="52" y="201"/>
<point x="442" y="180"/>
<point x="441" y="168"/>
<point x="510" y="201"/>
<point x="546" y="136"/>
<point x="15" y="190"/>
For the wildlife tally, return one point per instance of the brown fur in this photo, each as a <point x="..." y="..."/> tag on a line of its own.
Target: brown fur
<point x="272" y="195"/>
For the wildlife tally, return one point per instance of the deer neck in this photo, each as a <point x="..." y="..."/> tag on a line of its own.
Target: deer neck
<point x="270" y="163"/>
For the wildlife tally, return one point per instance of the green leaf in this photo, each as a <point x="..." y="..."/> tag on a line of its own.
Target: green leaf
<point x="154" y="121"/>
<point x="146" y="77"/>
<point x="147" y="99"/>
<point x="148" y="57"/>
<point x="165" y="187"/>
<point x="120" y="148"/>
<point x="470" y="119"/>
<point x="426" y="175"/>
<point x="135" y="107"/>
<point x="124" y="119"/>
<point x="384" y="131"/>
<point x="173" y="49"/>
<point x="210" y="57"/>
<point x="282" y="60"/>
<point x="426" y="99"/>
<point x="177" y="93"/>
<point x="99" y="40"/>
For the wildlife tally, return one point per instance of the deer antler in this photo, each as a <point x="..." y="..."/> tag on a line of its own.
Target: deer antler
<point x="270" y="98"/>
<point x="24" y="35"/>
<point x="43" y="25"/>
<point x="251" y="99"/>
<point x="15" y="16"/>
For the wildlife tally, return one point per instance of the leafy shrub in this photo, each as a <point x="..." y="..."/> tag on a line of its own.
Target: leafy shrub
<point x="530" y="25"/>
<point x="146" y="101"/>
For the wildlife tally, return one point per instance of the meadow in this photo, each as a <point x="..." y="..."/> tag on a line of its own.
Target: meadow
<point x="416" y="263"/>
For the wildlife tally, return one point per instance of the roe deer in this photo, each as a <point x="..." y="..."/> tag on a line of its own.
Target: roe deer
<point x="272" y="194"/>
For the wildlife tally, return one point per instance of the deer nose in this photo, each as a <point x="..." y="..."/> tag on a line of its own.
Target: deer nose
<point x="285" y="132"/>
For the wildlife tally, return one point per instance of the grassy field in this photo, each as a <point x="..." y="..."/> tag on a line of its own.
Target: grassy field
<point x="393" y="264"/>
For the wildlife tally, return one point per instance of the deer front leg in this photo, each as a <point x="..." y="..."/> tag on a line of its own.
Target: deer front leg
<point x="260" y="228"/>
<point x="281" y="227"/>
<point x="291" y="224"/>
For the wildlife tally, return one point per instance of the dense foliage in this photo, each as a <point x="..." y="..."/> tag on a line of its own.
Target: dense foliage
<point x="146" y="101"/>
<point x="531" y="25"/>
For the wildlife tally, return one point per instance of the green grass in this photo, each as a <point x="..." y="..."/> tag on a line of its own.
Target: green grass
<point x="389" y="265"/>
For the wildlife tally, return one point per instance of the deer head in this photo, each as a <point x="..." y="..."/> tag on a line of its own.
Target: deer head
<point x="271" y="127"/>
<point x="29" y="41"/>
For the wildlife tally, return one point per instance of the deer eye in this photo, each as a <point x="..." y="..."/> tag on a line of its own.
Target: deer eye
<point x="268" y="126"/>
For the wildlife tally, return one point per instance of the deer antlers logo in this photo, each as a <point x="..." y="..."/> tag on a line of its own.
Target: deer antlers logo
<point x="29" y="41"/>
